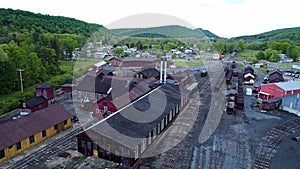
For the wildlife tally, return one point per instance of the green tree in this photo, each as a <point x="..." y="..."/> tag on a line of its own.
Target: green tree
<point x="260" y="56"/>
<point x="274" y="56"/>
<point x="293" y="52"/>
<point x="240" y="45"/>
<point x="118" y="51"/>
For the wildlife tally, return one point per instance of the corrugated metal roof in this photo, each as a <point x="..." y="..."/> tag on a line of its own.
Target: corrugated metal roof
<point x="290" y="85"/>
<point x="11" y="132"/>
<point x="101" y="63"/>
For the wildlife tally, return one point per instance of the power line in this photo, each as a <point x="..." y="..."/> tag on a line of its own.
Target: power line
<point x="21" y="79"/>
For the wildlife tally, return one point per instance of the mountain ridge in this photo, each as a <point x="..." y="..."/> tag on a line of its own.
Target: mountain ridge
<point x="171" y="31"/>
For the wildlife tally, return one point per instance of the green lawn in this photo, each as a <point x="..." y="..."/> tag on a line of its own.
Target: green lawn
<point x="287" y="65"/>
<point x="241" y="67"/>
<point x="264" y="71"/>
<point x="76" y="68"/>
<point x="187" y="63"/>
<point x="246" y="54"/>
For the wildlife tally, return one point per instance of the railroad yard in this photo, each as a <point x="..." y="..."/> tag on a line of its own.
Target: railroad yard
<point x="214" y="138"/>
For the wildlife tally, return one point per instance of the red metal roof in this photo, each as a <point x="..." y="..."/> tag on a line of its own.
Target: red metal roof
<point x="11" y="132"/>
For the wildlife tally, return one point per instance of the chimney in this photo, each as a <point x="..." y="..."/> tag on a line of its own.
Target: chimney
<point x="161" y="71"/>
<point x="165" y="76"/>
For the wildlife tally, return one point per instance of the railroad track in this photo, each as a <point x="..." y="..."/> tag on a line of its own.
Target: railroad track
<point x="270" y="143"/>
<point x="54" y="148"/>
<point x="180" y="156"/>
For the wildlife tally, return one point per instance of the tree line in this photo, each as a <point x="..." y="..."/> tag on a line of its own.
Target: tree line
<point x="35" y="43"/>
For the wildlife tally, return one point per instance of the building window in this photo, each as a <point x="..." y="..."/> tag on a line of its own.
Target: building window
<point x="18" y="145"/>
<point x="55" y="127"/>
<point x="154" y="133"/>
<point x="31" y="139"/>
<point x="136" y="152"/>
<point x="65" y="122"/>
<point x="44" y="134"/>
<point x="105" y="104"/>
<point x="158" y="129"/>
<point x="143" y="145"/>
<point x="150" y="138"/>
<point x="2" y="154"/>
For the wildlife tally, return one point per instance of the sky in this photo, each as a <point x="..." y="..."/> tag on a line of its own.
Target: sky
<point x="225" y="18"/>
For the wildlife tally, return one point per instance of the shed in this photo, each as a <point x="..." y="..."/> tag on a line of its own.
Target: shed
<point x="24" y="132"/>
<point x="122" y="139"/>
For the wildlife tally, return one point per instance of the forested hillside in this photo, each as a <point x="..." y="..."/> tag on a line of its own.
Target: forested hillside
<point x="292" y="34"/>
<point x="172" y="31"/>
<point x="36" y="43"/>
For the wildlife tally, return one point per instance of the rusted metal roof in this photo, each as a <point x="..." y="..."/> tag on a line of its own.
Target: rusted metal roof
<point x="14" y="131"/>
<point x="35" y="101"/>
<point x="43" y="86"/>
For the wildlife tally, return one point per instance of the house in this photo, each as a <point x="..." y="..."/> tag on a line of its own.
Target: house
<point x="68" y="87"/>
<point x="121" y="94"/>
<point x="291" y="103"/>
<point x="100" y="55"/>
<point x="24" y="132"/>
<point x="46" y="90"/>
<point x="114" y="61"/>
<point x="93" y="88"/>
<point x="249" y="69"/>
<point x="217" y="56"/>
<point x="146" y="73"/>
<point x="122" y="138"/>
<point x="34" y="104"/>
<point x="278" y="90"/>
<point x="44" y="97"/>
<point x="274" y="77"/>
<point x="285" y="59"/>
<point x="249" y="78"/>
<point x="99" y="65"/>
<point x="264" y="63"/>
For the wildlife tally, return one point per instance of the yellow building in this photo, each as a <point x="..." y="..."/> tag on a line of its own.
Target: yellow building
<point x="26" y="131"/>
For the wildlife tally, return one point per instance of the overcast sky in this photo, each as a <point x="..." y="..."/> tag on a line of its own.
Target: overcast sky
<point x="225" y="18"/>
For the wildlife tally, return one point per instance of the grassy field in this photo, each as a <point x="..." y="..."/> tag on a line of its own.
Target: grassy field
<point x="241" y="67"/>
<point x="287" y="65"/>
<point x="264" y="71"/>
<point x="187" y="63"/>
<point x="246" y="55"/>
<point x="76" y="68"/>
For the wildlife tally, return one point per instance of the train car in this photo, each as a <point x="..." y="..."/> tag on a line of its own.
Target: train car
<point x="230" y="103"/>
<point x="229" y="76"/>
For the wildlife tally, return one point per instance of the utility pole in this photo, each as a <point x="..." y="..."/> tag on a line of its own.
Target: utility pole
<point x="21" y="79"/>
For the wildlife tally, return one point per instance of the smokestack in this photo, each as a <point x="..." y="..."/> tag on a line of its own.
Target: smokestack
<point x="165" y="76"/>
<point x="161" y="71"/>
